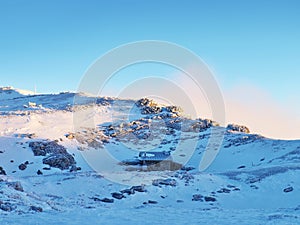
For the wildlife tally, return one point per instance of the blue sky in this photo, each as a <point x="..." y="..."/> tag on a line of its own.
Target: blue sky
<point x="52" y="43"/>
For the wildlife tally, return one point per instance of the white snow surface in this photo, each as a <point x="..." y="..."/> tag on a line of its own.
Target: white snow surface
<point x="247" y="179"/>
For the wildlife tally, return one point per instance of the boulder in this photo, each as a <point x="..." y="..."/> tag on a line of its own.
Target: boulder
<point x="117" y="195"/>
<point x="210" y="199"/>
<point x="22" y="166"/>
<point x="61" y="161"/>
<point x="2" y="171"/>
<point x="197" y="197"/>
<point x="107" y="200"/>
<point x="139" y="188"/>
<point x="288" y="189"/>
<point x="36" y="209"/>
<point x="167" y="182"/>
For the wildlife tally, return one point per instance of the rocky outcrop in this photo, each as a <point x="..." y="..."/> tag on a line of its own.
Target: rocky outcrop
<point x="55" y="155"/>
<point x="237" y="128"/>
<point x="61" y="161"/>
<point x="148" y="106"/>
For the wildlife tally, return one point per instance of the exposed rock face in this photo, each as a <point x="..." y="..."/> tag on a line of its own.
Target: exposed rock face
<point x="237" y="128"/>
<point x="148" y="106"/>
<point x="56" y="155"/>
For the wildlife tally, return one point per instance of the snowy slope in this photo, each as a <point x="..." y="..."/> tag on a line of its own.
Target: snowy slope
<point x="253" y="180"/>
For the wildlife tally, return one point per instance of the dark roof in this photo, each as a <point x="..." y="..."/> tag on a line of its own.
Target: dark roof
<point x="154" y="156"/>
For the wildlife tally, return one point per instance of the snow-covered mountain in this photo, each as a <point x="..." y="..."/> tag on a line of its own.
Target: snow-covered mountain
<point x="55" y="169"/>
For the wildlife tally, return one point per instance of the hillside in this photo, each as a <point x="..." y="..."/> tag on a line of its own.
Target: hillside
<point x="70" y="158"/>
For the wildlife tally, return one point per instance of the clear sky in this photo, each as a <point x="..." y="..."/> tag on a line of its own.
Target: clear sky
<point x="246" y="43"/>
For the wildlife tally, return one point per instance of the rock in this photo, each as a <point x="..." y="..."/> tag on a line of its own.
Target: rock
<point x="16" y="185"/>
<point x="70" y="135"/>
<point x="210" y="199"/>
<point x="2" y="171"/>
<point x="128" y="191"/>
<point x="237" y="128"/>
<point x="39" y="172"/>
<point x="36" y="209"/>
<point x="167" y="182"/>
<point x="224" y="190"/>
<point x="148" y="106"/>
<point x="22" y="166"/>
<point x="152" y="202"/>
<point x="38" y="148"/>
<point x="107" y="200"/>
<point x="288" y="189"/>
<point x="187" y="168"/>
<point x="139" y="188"/>
<point x="41" y="148"/>
<point x="8" y="207"/>
<point x="241" y="167"/>
<point x="197" y="197"/>
<point x="61" y="161"/>
<point x="117" y="195"/>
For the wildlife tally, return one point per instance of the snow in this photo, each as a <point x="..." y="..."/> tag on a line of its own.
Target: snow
<point x="254" y="169"/>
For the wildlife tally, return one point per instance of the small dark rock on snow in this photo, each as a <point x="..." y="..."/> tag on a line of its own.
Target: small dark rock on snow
<point x="117" y="195"/>
<point x="107" y="200"/>
<point x="152" y="202"/>
<point x="223" y="190"/>
<point x="197" y="197"/>
<point x="210" y="199"/>
<point x="288" y="189"/>
<point x="36" y="209"/>
<point x="22" y="166"/>
<point x="2" y="171"/>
